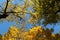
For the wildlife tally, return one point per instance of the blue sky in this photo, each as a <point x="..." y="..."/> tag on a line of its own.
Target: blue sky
<point x="4" y="26"/>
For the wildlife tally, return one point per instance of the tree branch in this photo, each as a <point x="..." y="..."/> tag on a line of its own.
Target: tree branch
<point x="6" y="7"/>
<point x="4" y="15"/>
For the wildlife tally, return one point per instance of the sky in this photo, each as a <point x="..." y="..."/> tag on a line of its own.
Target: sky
<point x="4" y="26"/>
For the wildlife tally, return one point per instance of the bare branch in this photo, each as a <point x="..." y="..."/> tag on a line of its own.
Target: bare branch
<point x="4" y="15"/>
<point x="6" y="6"/>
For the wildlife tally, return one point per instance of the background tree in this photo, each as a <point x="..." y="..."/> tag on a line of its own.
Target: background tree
<point x="47" y="10"/>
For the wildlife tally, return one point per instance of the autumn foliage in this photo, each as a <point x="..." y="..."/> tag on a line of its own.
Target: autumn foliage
<point x="35" y="33"/>
<point x="36" y="11"/>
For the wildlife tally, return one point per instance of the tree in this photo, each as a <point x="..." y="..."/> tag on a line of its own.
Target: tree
<point x="40" y="9"/>
<point x="35" y="33"/>
<point x="47" y="10"/>
<point x="13" y="12"/>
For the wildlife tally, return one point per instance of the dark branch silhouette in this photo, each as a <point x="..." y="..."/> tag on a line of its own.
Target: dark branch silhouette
<point x="4" y="15"/>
